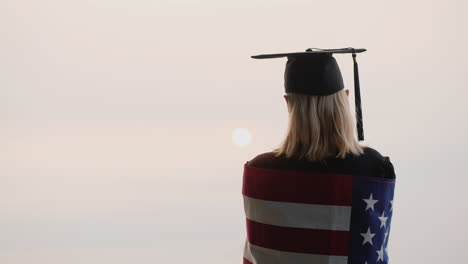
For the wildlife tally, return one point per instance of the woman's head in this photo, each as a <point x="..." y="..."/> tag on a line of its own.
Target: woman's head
<point x="319" y="127"/>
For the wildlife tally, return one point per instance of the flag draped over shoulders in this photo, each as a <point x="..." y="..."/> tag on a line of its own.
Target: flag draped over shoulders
<point x="317" y="216"/>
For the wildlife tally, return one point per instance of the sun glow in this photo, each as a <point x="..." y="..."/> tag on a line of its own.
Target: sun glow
<point x="241" y="137"/>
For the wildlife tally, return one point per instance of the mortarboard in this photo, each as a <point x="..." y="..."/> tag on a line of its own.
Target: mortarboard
<point x="316" y="72"/>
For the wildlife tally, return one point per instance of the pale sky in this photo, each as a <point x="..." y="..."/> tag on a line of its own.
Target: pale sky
<point x="117" y="120"/>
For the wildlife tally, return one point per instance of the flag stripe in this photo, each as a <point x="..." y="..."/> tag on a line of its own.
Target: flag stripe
<point x="300" y="240"/>
<point x="246" y="261"/>
<point x="318" y="216"/>
<point x="299" y="187"/>
<point x="254" y="254"/>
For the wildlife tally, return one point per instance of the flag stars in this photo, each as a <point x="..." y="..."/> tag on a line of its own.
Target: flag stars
<point x="367" y="236"/>
<point x="383" y="219"/>
<point x="380" y="215"/>
<point x="385" y="237"/>
<point x="370" y="202"/>
<point x="380" y="253"/>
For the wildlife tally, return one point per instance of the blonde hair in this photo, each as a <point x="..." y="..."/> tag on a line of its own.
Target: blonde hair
<point x="319" y="127"/>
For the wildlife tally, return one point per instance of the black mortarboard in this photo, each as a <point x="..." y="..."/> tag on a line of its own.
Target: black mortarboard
<point x="316" y="72"/>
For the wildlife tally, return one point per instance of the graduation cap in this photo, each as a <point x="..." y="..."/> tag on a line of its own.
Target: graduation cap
<point x="316" y="72"/>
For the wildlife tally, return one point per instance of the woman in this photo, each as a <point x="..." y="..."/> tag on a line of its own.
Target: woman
<point x="320" y="197"/>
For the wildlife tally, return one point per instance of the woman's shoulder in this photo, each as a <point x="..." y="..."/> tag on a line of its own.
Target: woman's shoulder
<point x="370" y="155"/>
<point x="371" y="162"/>
<point x="263" y="160"/>
<point x="381" y="164"/>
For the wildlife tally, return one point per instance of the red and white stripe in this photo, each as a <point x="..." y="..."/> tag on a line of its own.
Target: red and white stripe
<point x="296" y="217"/>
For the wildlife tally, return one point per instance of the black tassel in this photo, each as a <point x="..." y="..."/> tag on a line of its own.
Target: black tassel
<point x="357" y="100"/>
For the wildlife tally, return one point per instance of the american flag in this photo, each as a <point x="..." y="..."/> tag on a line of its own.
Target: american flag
<point x="297" y="217"/>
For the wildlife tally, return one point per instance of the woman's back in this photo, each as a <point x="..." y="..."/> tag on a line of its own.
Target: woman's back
<point x="334" y="211"/>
